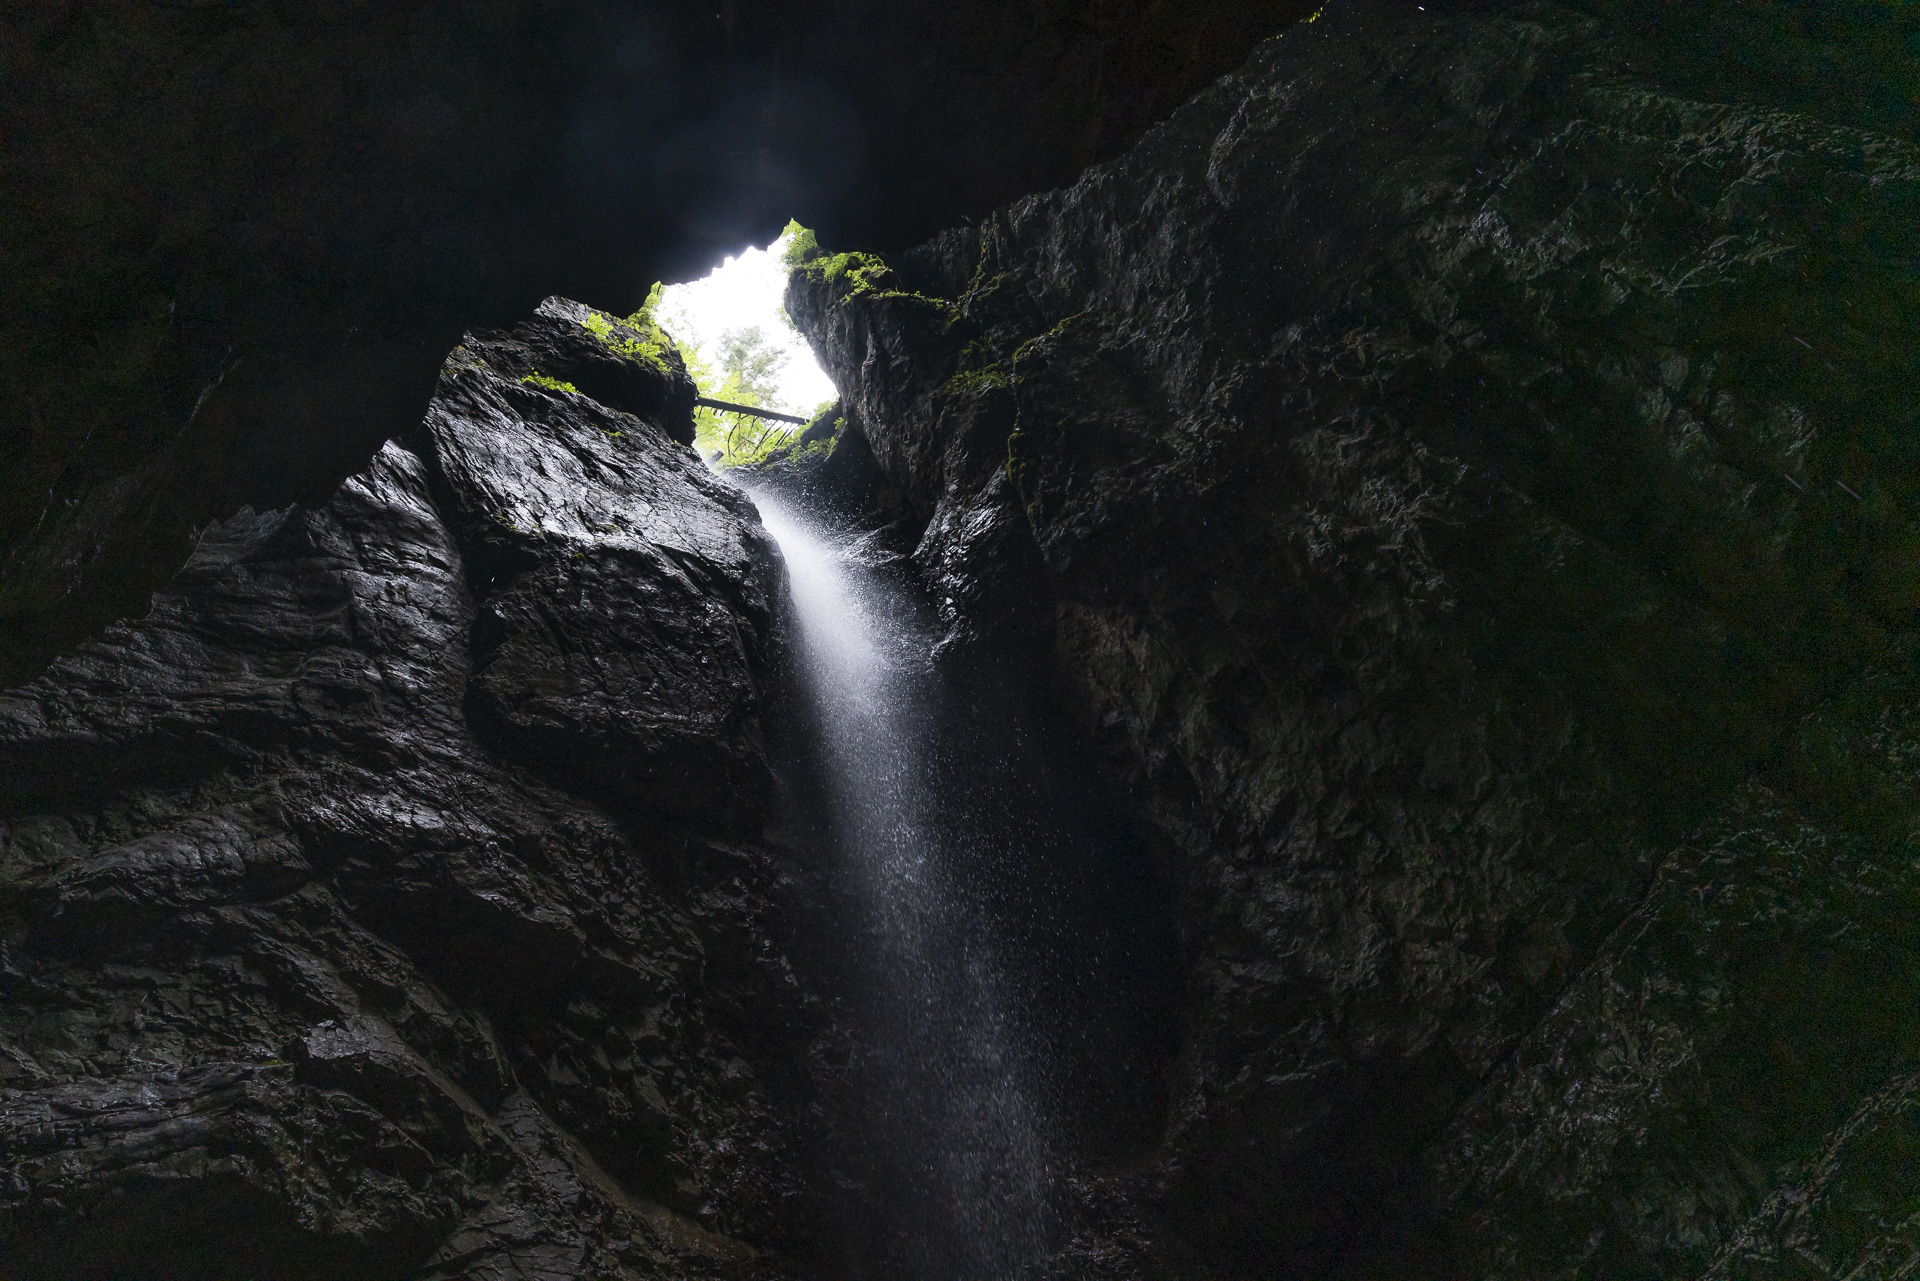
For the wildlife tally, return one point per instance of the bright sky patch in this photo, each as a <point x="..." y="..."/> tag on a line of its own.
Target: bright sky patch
<point x="740" y="293"/>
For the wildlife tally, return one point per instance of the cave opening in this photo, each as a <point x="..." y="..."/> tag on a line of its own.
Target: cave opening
<point x="742" y="349"/>
<point x="1340" y="700"/>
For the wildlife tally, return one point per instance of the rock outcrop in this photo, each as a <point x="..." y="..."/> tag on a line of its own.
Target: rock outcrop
<point x="391" y="899"/>
<point x="1457" y="476"/>
<point x="1463" y="480"/>
<point x="242" y="234"/>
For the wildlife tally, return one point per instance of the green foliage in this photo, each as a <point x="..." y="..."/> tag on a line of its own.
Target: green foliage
<point x="636" y="337"/>
<point x="859" y="272"/>
<point x="647" y="317"/>
<point x="811" y="444"/>
<point x="746" y="440"/>
<point x="978" y="370"/>
<point x="749" y="366"/>
<point x="801" y="246"/>
<point x="538" y="379"/>
<point x="698" y="369"/>
<point x="976" y="380"/>
<point x="814" y="451"/>
<point x="749" y="370"/>
<point x="1037" y="339"/>
<point x="855" y="274"/>
<point x="639" y="336"/>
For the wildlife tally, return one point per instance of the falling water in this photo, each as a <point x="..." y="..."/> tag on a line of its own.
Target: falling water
<point x="965" y="1143"/>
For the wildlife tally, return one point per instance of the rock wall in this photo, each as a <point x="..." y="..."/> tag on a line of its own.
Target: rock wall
<point x="1463" y="481"/>
<point x="392" y="900"/>
<point x="1457" y="475"/>
<point x="243" y="233"/>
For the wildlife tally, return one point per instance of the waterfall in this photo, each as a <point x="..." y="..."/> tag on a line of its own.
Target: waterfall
<point x="964" y="1139"/>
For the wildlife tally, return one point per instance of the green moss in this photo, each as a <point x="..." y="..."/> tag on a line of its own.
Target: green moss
<point x="859" y="272"/>
<point x="801" y="246"/>
<point x="1027" y="346"/>
<point x="643" y="319"/>
<point x="976" y="380"/>
<point x="862" y="275"/>
<point x="538" y="379"/>
<point x="789" y="451"/>
<point x="982" y="287"/>
<point x="978" y="370"/>
<point x="814" y="451"/>
<point x="637" y="337"/>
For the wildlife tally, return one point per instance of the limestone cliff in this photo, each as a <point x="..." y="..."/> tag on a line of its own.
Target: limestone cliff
<point x="390" y="900"/>
<point x="1464" y="484"/>
<point x="1456" y="478"/>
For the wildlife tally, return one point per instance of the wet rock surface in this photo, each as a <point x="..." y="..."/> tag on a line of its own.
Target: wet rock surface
<point x="1457" y="475"/>
<point x="1464" y="486"/>
<point x="391" y="899"/>
<point x="245" y="233"/>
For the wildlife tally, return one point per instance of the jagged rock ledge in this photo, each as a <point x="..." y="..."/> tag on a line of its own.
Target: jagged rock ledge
<point x="1465" y="486"/>
<point x="392" y="900"/>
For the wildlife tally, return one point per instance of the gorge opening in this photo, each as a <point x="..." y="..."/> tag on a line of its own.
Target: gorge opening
<point x="741" y="349"/>
<point x="1340" y="700"/>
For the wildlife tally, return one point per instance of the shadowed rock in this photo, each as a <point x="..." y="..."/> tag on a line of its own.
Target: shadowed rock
<point x="382" y="903"/>
<point x="1464" y="483"/>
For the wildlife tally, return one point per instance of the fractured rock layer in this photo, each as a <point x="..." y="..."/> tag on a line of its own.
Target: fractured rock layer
<point x="1458" y="476"/>
<point x="1465" y="486"/>
<point x="390" y="900"/>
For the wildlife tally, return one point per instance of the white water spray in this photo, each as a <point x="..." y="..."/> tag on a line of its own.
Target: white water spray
<point x="963" y="1136"/>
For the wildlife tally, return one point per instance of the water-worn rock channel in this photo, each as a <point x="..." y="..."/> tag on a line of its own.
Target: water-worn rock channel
<point x="958" y="1112"/>
<point x="994" y="940"/>
<point x="1336" y="699"/>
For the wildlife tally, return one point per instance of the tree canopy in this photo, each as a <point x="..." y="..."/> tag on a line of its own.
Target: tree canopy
<point x="748" y="374"/>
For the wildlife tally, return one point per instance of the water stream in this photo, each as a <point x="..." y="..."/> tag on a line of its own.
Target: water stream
<point x="955" y="1072"/>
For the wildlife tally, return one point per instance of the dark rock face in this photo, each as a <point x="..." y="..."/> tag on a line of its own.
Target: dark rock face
<point x="242" y="235"/>
<point x="1465" y="485"/>
<point x="384" y="902"/>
